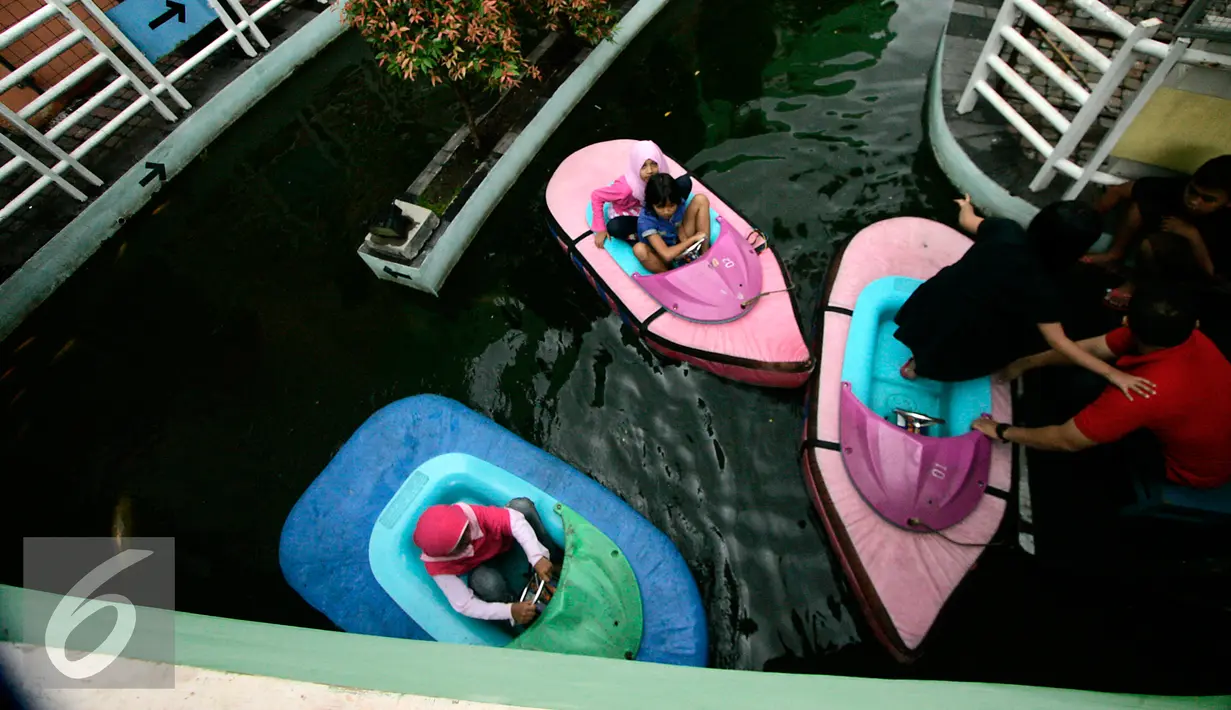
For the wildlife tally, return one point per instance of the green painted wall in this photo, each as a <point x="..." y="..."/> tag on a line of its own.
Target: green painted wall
<point x="555" y="681"/>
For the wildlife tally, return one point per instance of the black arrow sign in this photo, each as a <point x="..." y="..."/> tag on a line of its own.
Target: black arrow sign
<point x="174" y="9"/>
<point x="157" y="170"/>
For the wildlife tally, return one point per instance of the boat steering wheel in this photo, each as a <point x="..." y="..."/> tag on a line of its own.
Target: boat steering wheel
<point x="541" y="594"/>
<point x="914" y="422"/>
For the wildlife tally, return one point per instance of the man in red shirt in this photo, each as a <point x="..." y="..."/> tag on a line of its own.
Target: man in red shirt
<point x="1189" y="412"/>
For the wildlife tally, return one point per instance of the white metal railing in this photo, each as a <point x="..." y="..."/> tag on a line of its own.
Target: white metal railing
<point x="1090" y="103"/>
<point x="162" y="86"/>
<point x="1138" y="39"/>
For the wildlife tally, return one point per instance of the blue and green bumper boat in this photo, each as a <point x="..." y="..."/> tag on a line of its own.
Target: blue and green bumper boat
<point x="624" y="591"/>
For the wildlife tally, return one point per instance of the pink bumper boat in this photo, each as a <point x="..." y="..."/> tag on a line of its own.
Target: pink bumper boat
<point x="728" y="312"/>
<point x="908" y="494"/>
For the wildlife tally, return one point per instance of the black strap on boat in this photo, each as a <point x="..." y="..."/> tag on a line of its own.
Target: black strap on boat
<point x="818" y="444"/>
<point x="583" y="235"/>
<point x="646" y="323"/>
<point x="839" y="310"/>
<point x="997" y="493"/>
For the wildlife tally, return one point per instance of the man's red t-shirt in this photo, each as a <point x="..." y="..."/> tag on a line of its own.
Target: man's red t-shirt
<point x="1190" y="413"/>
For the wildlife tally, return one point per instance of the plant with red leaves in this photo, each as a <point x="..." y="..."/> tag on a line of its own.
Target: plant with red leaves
<point x="465" y="42"/>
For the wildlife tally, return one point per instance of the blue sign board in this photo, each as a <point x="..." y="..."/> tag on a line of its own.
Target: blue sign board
<point x="159" y="26"/>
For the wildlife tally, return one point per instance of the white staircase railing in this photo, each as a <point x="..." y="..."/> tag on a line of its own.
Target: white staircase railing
<point x="1138" y="41"/>
<point x="148" y="94"/>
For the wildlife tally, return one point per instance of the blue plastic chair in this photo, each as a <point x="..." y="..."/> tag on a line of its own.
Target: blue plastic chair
<point x="1170" y="501"/>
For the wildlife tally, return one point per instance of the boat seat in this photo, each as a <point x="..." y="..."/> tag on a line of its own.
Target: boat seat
<point x="1170" y="501"/>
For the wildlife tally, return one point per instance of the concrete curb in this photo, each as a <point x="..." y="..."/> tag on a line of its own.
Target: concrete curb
<point x="51" y="265"/>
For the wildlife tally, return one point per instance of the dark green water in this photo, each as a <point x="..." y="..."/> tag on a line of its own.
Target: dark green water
<point x="212" y="357"/>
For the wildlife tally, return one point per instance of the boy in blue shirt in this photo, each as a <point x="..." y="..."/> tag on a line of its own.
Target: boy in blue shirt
<point x="666" y="228"/>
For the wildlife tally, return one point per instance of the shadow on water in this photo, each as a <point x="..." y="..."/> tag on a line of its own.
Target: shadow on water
<point x="213" y="356"/>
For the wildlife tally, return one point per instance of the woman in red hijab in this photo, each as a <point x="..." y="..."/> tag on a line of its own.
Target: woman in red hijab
<point x="460" y="538"/>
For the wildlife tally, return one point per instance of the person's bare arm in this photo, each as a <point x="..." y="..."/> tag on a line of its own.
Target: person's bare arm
<point x="670" y="254"/>
<point x="1054" y="334"/>
<point x="1096" y="346"/>
<point x="1183" y="229"/>
<point x="1113" y="196"/>
<point x="1064" y="437"/>
<point x="966" y="217"/>
<point x="1128" y="229"/>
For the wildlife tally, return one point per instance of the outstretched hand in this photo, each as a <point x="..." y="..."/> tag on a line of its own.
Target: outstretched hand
<point x="963" y="202"/>
<point x="986" y="426"/>
<point x="1130" y="384"/>
<point x="1012" y="371"/>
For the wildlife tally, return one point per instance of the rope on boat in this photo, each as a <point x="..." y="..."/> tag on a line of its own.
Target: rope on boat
<point x="750" y="301"/>
<point x="916" y="522"/>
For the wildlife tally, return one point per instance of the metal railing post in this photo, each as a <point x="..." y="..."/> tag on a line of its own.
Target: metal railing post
<point x="1089" y="112"/>
<point x="232" y="29"/>
<point x="1005" y="18"/>
<point x="39" y="166"/>
<point x="47" y="144"/>
<point x="1178" y="49"/>
<point x="245" y="17"/>
<point x="141" y="59"/>
<point x="101" y="47"/>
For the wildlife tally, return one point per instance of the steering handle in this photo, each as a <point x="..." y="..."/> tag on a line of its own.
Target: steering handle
<point x="916" y="421"/>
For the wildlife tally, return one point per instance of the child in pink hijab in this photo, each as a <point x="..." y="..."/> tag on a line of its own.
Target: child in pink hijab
<point x="461" y="538"/>
<point x="627" y="193"/>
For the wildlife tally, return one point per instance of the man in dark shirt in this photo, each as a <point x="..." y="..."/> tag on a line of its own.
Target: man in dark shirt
<point x="1186" y="223"/>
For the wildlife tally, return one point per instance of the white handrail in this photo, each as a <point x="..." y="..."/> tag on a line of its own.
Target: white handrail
<point x="48" y="173"/>
<point x="1152" y="47"/>
<point x="1053" y="72"/>
<point x="991" y="48"/>
<point x="230" y="25"/>
<point x="1028" y="92"/>
<point x="39" y="60"/>
<point x="26" y="24"/>
<point x="1086" y="116"/>
<point x="62" y="86"/>
<point x="49" y="145"/>
<point x="1091" y="103"/>
<point x="127" y="77"/>
<point x="1178" y="49"/>
<point x="1045" y="19"/>
<point x="243" y="15"/>
<point x="1014" y="118"/>
<point x="135" y="53"/>
<point x="101" y="47"/>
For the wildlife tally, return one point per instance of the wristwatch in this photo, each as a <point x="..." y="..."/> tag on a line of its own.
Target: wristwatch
<point x="1000" y="429"/>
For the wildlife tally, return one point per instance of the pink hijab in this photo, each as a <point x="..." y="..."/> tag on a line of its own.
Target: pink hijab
<point x="439" y="530"/>
<point x="641" y="152"/>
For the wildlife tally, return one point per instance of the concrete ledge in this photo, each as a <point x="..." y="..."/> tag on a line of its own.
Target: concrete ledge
<point x="51" y="265"/>
<point x="985" y="193"/>
<point x="204" y="689"/>
<point x="532" y="679"/>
